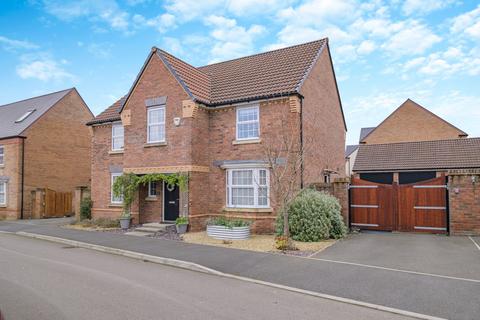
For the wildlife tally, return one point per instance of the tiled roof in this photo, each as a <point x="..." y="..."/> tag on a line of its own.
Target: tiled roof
<point x="441" y="154"/>
<point x="350" y="149"/>
<point x="110" y="114"/>
<point x="269" y="74"/>
<point x="365" y="132"/>
<point x="10" y="113"/>
<point x="261" y="75"/>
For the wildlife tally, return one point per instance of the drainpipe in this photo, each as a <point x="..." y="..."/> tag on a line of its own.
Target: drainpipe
<point x="301" y="141"/>
<point x="23" y="179"/>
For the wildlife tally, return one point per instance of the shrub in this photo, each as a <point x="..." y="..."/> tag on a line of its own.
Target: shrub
<point x="181" y="220"/>
<point x="229" y="223"/>
<point x="281" y="243"/>
<point x="86" y="208"/>
<point x="313" y="216"/>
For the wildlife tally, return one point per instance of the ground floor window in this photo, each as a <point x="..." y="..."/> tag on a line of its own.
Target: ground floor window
<point x="152" y="189"/>
<point x="116" y="200"/>
<point x="3" y="193"/>
<point x="248" y="188"/>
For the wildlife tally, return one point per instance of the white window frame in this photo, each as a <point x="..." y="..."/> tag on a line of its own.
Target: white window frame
<point x="150" y="194"/>
<point x="116" y="125"/>
<point x="5" y="190"/>
<point x="149" y="110"/>
<point x="255" y="185"/>
<point x="112" y="179"/>
<point x="237" y="122"/>
<point x="2" y="155"/>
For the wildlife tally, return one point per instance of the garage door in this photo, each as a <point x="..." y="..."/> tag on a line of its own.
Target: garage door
<point x="415" y="207"/>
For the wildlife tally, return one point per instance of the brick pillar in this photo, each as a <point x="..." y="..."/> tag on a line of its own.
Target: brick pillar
<point x="464" y="201"/>
<point x="135" y="209"/>
<point x="340" y="191"/>
<point x="79" y="194"/>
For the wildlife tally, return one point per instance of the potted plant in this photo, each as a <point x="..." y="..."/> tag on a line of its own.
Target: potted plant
<point x="227" y="229"/>
<point x="181" y="224"/>
<point x="126" y="187"/>
<point x="125" y="219"/>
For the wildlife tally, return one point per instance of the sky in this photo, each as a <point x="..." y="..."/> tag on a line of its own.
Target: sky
<point x="383" y="51"/>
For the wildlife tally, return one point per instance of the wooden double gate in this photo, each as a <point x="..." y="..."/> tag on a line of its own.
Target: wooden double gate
<point x="57" y="204"/>
<point x="416" y="207"/>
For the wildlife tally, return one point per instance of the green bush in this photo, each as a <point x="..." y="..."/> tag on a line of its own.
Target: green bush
<point x="181" y="220"/>
<point x="313" y="216"/>
<point x="86" y="209"/>
<point x="229" y="223"/>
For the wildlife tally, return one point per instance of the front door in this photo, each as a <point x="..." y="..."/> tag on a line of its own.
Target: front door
<point x="171" y="206"/>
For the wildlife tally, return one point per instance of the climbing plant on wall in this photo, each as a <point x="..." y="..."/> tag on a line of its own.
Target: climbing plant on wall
<point x="127" y="185"/>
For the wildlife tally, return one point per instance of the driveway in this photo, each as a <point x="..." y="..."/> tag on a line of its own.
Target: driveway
<point x="431" y="254"/>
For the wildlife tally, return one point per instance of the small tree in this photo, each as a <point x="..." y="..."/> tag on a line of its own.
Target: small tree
<point x="283" y="153"/>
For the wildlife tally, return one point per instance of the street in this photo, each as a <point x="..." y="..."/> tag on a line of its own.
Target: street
<point x="43" y="280"/>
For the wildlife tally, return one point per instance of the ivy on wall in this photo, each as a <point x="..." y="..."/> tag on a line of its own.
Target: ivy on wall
<point x="127" y="185"/>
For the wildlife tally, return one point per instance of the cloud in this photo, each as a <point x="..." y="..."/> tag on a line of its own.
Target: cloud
<point x="12" y="44"/>
<point x="466" y="22"/>
<point x="187" y="10"/>
<point x="412" y="38"/>
<point x="231" y="40"/>
<point x="255" y="7"/>
<point x="424" y="6"/>
<point x="366" y="47"/>
<point x="161" y="23"/>
<point x="107" y="11"/>
<point x="42" y="67"/>
<point x="100" y="50"/>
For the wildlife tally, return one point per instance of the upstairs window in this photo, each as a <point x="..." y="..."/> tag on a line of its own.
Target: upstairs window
<point x="3" y="193"/>
<point x="117" y="137"/>
<point x="156" y="124"/>
<point x="248" y="123"/>
<point x="248" y="188"/>
<point x="2" y="155"/>
<point x="25" y="116"/>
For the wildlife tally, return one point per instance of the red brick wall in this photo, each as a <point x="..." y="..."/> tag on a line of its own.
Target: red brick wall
<point x="323" y="127"/>
<point x="12" y="169"/>
<point x="464" y="200"/>
<point x="102" y="161"/>
<point x="157" y="81"/>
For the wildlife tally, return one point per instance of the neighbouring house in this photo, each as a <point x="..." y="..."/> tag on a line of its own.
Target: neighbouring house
<point x="215" y="123"/>
<point x="44" y="154"/>
<point x="415" y="172"/>
<point x="409" y="122"/>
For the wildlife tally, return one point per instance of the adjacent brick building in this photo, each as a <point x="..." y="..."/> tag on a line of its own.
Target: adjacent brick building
<point x="44" y="144"/>
<point x="216" y="123"/>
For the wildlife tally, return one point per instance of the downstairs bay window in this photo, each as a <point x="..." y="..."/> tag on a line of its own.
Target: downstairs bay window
<point x="248" y="188"/>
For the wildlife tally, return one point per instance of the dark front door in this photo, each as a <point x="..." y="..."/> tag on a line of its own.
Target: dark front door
<point x="171" y="203"/>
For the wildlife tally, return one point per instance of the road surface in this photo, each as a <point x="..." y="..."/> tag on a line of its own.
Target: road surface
<point x="43" y="280"/>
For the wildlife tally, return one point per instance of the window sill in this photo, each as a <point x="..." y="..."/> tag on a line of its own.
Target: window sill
<point x="259" y="210"/>
<point x="3" y="205"/>
<point x="115" y="205"/>
<point x="234" y="142"/>
<point x="154" y="144"/>
<point x="150" y="198"/>
<point x="115" y="152"/>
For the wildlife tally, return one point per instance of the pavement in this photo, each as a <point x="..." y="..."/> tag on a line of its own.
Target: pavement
<point x="443" y="284"/>
<point x="43" y="280"/>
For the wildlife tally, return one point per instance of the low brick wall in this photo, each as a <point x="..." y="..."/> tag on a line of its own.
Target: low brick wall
<point x="464" y="201"/>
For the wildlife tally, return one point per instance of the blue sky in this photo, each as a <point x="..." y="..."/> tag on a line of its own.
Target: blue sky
<point x="384" y="51"/>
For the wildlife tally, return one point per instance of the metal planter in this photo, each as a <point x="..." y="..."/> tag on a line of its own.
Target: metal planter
<point x="225" y="233"/>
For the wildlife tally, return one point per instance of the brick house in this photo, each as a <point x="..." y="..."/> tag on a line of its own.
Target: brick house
<point x="44" y="144"/>
<point x="409" y="122"/>
<point x="215" y="122"/>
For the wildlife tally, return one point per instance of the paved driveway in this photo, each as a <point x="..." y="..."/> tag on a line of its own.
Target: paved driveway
<point x="432" y="254"/>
